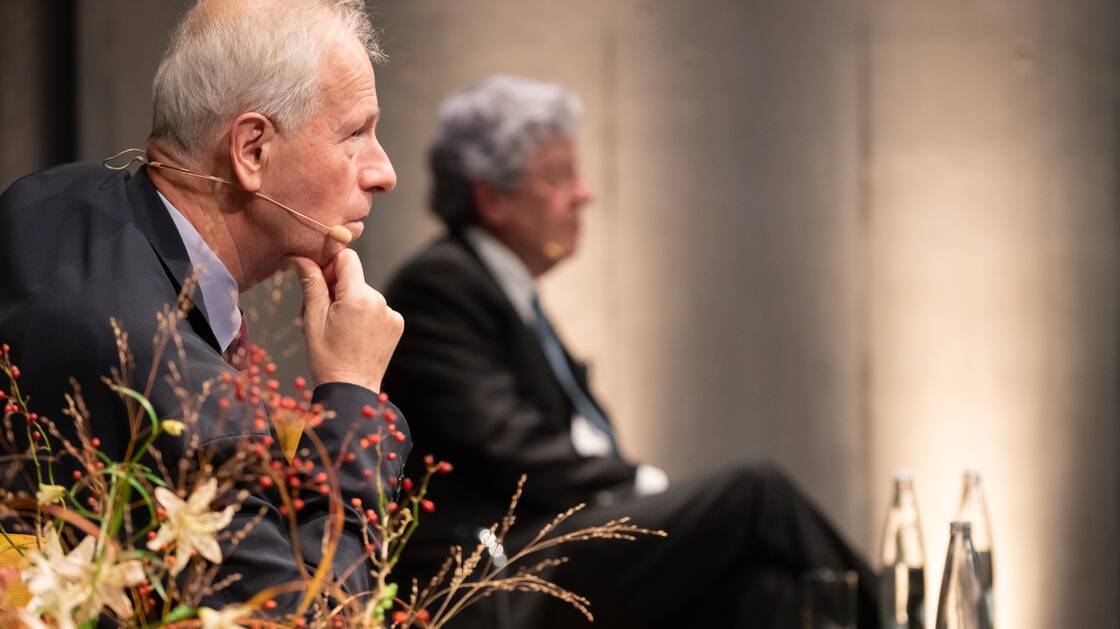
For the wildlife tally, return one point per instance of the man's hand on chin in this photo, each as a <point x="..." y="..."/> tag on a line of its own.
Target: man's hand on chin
<point x="351" y="332"/>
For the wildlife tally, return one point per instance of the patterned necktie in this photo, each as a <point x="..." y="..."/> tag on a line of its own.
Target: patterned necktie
<point x="554" y="352"/>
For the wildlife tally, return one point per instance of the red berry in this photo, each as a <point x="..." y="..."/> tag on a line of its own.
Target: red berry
<point x="400" y="436"/>
<point x="270" y="367"/>
<point x="95" y="442"/>
<point x="391" y="507"/>
<point x="270" y="604"/>
<point x="356" y="502"/>
<point x="350" y="457"/>
<point x="371" y="515"/>
<point x="390" y="416"/>
<point x="15" y="371"/>
<point x="392" y="456"/>
<point x="368" y="411"/>
<point x="407" y="484"/>
<point x="300" y="382"/>
<point x="400" y="616"/>
<point x="429" y="460"/>
<point x="445" y="467"/>
<point x="383" y="397"/>
<point x="367" y="474"/>
<point x="298" y="503"/>
<point x="428" y="506"/>
<point x="266" y="481"/>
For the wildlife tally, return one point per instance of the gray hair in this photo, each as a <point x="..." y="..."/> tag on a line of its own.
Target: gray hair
<point x="487" y="133"/>
<point x="251" y="55"/>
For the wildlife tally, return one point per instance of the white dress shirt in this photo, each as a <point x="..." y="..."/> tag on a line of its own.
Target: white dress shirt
<point x="218" y="288"/>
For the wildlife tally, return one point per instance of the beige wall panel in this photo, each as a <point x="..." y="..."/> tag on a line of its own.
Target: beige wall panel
<point x="994" y="309"/>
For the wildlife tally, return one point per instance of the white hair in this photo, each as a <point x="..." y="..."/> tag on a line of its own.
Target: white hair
<point x="227" y="58"/>
<point x="487" y="133"/>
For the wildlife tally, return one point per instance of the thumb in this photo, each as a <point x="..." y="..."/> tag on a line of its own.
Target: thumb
<point x="316" y="297"/>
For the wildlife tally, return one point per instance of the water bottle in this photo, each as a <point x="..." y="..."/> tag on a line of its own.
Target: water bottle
<point x="961" y="603"/>
<point x="974" y="509"/>
<point x="902" y="586"/>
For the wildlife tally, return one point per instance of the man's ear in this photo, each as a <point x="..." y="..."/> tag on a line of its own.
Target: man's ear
<point x="490" y="203"/>
<point x="250" y="141"/>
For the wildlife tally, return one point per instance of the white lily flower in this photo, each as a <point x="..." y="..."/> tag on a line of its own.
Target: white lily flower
<point x="191" y="526"/>
<point x="225" y="619"/>
<point x="73" y="588"/>
<point x="49" y="494"/>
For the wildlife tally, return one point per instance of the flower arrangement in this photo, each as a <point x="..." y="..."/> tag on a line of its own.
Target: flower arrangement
<point x="138" y="541"/>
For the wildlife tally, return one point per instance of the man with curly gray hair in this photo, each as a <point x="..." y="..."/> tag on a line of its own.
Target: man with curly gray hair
<point x="263" y="156"/>
<point x="489" y="384"/>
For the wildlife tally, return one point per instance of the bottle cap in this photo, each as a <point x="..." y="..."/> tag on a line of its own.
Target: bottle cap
<point x="960" y="526"/>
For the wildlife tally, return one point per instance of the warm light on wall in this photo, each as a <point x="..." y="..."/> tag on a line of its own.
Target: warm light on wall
<point x="960" y="345"/>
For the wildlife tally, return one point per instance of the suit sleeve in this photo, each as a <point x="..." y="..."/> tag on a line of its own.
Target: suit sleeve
<point x="454" y="375"/>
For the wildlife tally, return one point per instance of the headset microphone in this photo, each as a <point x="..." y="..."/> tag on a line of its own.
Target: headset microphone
<point x="336" y="232"/>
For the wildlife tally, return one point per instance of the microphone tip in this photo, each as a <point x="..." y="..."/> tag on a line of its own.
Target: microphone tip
<point x="341" y="234"/>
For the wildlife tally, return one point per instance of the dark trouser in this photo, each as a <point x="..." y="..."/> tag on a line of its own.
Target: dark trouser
<point x="739" y="543"/>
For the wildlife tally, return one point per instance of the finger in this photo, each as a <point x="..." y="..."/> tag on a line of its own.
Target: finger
<point x="349" y="276"/>
<point x="315" y="295"/>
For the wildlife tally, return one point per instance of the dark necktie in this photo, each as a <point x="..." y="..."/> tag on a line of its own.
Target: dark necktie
<point x="554" y="352"/>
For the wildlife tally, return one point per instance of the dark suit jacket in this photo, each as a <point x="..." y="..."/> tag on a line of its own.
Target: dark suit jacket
<point x="80" y="244"/>
<point x="480" y="393"/>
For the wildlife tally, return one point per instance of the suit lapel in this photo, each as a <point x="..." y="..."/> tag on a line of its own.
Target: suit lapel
<point x="528" y="348"/>
<point x="152" y="218"/>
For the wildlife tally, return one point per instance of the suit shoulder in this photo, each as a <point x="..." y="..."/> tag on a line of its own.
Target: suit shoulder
<point x="445" y="264"/>
<point x="68" y="180"/>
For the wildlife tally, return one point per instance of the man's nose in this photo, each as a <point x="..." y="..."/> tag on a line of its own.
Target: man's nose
<point x="378" y="175"/>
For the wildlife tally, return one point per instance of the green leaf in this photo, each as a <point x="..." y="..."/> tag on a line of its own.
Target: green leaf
<point x="139" y="397"/>
<point x="157" y="586"/>
<point x="181" y="612"/>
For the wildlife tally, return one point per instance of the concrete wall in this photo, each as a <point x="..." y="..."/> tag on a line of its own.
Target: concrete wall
<point x="847" y="237"/>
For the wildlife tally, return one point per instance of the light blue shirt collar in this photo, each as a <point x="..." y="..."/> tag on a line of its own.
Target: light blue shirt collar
<point x="219" y="289"/>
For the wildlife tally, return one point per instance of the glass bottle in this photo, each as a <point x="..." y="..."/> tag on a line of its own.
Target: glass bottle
<point x="902" y="586"/>
<point x="961" y="604"/>
<point x="974" y="509"/>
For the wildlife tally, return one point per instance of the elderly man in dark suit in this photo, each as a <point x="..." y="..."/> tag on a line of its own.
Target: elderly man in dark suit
<point x="274" y="98"/>
<point x="489" y="385"/>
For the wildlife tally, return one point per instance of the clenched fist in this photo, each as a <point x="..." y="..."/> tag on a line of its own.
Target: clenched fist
<point x="351" y="332"/>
